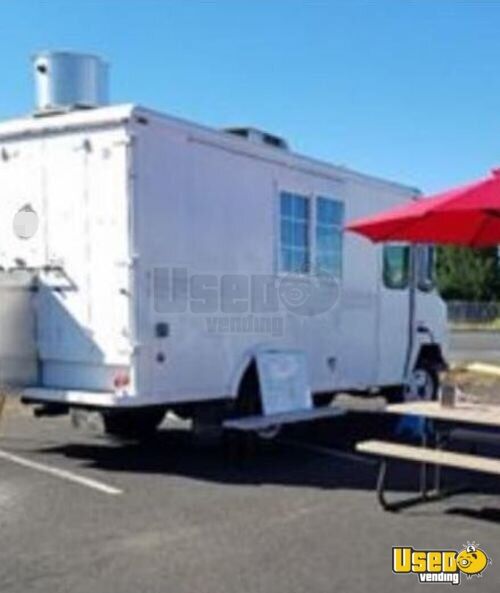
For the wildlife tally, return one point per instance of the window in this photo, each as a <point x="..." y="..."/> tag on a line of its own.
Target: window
<point x="329" y="223"/>
<point x="425" y="267"/>
<point x="308" y="243"/>
<point x="396" y="270"/>
<point x="294" y="238"/>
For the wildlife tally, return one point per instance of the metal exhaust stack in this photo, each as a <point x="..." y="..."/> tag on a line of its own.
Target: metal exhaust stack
<point x="66" y="81"/>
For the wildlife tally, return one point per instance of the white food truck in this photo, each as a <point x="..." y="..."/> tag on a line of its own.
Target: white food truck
<point x="147" y="261"/>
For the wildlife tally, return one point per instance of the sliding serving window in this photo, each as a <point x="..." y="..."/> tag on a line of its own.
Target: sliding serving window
<point x="295" y="242"/>
<point x="310" y="235"/>
<point x="329" y="225"/>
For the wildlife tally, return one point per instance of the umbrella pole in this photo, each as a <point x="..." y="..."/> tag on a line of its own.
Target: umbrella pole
<point x="412" y="298"/>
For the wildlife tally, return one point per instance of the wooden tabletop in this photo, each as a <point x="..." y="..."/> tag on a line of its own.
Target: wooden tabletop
<point x="485" y="414"/>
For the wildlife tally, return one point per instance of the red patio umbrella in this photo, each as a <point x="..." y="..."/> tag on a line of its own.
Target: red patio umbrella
<point x="468" y="215"/>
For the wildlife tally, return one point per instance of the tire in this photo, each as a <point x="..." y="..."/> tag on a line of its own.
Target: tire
<point x="243" y="445"/>
<point x="323" y="400"/>
<point x="423" y="385"/>
<point x="133" y="424"/>
<point x="249" y="403"/>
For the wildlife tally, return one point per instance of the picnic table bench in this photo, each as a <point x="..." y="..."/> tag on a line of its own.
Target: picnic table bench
<point x="468" y="414"/>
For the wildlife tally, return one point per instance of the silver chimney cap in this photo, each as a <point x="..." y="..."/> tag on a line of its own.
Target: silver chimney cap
<point x="68" y="80"/>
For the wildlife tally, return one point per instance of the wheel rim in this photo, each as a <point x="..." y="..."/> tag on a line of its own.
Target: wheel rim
<point x="269" y="433"/>
<point x="420" y="387"/>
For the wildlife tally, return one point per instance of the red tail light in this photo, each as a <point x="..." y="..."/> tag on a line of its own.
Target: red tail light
<point x="121" y="380"/>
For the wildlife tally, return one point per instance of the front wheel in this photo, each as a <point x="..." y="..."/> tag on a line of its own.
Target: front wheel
<point x="423" y="385"/>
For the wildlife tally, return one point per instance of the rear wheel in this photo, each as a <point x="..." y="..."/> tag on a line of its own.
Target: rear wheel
<point x="248" y="403"/>
<point x="323" y="400"/>
<point x="133" y="424"/>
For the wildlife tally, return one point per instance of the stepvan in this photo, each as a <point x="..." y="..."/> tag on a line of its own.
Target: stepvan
<point x="147" y="262"/>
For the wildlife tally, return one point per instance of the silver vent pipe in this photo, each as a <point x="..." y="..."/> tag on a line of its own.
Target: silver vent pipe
<point x="66" y="81"/>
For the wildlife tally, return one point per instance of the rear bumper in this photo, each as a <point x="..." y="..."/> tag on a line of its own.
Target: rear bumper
<point x="86" y="399"/>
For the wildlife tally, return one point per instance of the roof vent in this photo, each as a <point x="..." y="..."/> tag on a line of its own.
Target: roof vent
<point x="259" y="137"/>
<point x="66" y="81"/>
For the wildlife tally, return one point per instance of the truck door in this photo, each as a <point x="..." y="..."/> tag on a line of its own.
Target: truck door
<point x="359" y="316"/>
<point x="82" y="302"/>
<point x="394" y="313"/>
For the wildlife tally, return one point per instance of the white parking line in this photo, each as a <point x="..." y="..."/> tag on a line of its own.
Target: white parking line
<point x="60" y="473"/>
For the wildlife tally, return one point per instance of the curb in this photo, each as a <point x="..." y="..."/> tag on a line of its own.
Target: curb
<point x="480" y="368"/>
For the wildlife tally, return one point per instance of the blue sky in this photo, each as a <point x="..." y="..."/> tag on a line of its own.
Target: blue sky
<point x="408" y="90"/>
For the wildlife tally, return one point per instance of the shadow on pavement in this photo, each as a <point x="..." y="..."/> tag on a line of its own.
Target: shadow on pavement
<point x="322" y="456"/>
<point x="489" y="514"/>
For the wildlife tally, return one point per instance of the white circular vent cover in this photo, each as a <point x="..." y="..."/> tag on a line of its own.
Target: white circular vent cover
<point x="25" y="222"/>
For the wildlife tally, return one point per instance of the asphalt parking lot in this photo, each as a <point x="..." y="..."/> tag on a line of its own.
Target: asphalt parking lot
<point x="481" y="346"/>
<point x="176" y="515"/>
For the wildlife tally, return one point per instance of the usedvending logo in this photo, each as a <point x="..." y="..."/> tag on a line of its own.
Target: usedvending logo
<point x="441" y="566"/>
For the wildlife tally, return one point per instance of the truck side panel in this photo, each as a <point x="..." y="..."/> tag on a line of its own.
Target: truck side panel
<point x="211" y="211"/>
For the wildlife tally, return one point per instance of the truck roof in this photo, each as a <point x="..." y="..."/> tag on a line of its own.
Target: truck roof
<point x="33" y="126"/>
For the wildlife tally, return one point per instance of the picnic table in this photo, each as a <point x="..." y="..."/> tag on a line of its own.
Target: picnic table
<point x="461" y="412"/>
<point x="480" y="420"/>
